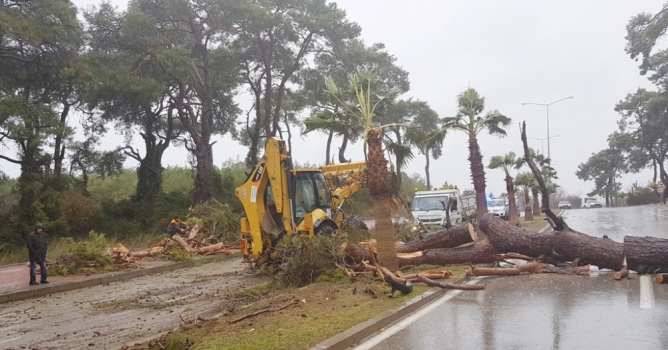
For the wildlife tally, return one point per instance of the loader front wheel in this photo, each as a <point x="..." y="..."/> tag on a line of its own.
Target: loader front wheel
<point x="325" y="228"/>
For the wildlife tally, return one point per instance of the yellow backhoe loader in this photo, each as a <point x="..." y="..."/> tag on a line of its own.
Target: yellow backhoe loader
<point x="280" y="200"/>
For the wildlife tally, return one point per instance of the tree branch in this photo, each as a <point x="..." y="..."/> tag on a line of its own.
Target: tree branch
<point x="560" y="224"/>
<point x="10" y="159"/>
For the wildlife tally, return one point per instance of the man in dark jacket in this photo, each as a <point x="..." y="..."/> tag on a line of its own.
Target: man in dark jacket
<point x="37" y="247"/>
<point x="176" y="227"/>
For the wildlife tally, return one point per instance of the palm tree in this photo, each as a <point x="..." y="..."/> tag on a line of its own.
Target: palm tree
<point x="471" y="121"/>
<point x="362" y="109"/>
<point x="334" y="122"/>
<point x="525" y="181"/>
<point x="506" y="163"/>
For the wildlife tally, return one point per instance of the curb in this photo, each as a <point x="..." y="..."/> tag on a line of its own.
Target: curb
<point x="356" y="334"/>
<point x="542" y="230"/>
<point x="103" y="279"/>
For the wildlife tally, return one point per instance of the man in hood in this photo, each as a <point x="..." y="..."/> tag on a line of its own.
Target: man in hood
<point x="37" y="247"/>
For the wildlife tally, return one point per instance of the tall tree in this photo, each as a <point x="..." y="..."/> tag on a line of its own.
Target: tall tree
<point x="132" y="92"/>
<point x="41" y="40"/>
<point x="649" y="128"/>
<point x="604" y="168"/>
<point x="507" y="163"/>
<point x="275" y="38"/>
<point x="644" y="126"/>
<point x="190" y="43"/>
<point x="471" y="120"/>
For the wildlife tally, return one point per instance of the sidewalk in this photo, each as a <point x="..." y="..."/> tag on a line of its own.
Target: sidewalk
<point x="14" y="279"/>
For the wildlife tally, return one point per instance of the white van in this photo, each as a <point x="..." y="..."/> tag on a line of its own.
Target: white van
<point x="591" y="202"/>
<point x="428" y="207"/>
<point x="498" y="207"/>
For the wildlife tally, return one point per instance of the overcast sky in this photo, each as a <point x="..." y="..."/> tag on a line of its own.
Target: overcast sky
<point x="511" y="52"/>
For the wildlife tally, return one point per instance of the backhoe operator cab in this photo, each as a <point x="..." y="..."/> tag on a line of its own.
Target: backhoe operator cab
<point x="279" y="200"/>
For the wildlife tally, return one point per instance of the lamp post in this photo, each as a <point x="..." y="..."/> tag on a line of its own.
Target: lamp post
<point x="547" y="107"/>
<point x="542" y="149"/>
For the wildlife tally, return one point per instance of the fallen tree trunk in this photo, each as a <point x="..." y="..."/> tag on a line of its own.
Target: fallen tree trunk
<point x="478" y="253"/>
<point x="449" y="238"/>
<point x="646" y="254"/>
<point x="564" y="245"/>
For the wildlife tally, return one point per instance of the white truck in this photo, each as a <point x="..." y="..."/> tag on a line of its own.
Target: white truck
<point x="591" y="202"/>
<point x="428" y="207"/>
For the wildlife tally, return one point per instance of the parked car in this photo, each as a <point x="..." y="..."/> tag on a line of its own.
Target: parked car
<point x="564" y="205"/>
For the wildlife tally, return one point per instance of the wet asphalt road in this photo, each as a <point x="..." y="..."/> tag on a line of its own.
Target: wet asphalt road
<point x="550" y="311"/>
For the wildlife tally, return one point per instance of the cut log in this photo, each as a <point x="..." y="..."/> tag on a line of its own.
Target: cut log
<point x="212" y="248"/>
<point x="434" y="275"/>
<point x="356" y="253"/>
<point x="646" y="254"/>
<point x="493" y="271"/>
<point x="138" y="255"/>
<point x="661" y="278"/>
<point x="624" y="272"/>
<point x="183" y="243"/>
<point x="564" y="245"/>
<point x="480" y="252"/>
<point x="194" y="231"/>
<point x="452" y="286"/>
<point x="532" y="267"/>
<point x="450" y="238"/>
<point x="566" y="270"/>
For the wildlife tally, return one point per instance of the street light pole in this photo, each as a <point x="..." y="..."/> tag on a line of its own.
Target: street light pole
<point x="542" y="149"/>
<point x="547" y="108"/>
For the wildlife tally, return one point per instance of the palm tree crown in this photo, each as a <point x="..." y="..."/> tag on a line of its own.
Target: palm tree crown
<point x="470" y="119"/>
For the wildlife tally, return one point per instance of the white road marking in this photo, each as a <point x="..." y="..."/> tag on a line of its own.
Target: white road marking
<point x="655" y="213"/>
<point x="10" y="339"/>
<point x="394" y="329"/>
<point x="646" y="292"/>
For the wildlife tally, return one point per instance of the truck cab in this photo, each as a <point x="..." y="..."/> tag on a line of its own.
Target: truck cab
<point x="429" y="207"/>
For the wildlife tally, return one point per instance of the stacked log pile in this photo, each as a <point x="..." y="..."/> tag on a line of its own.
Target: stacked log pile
<point x="193" y="243"/>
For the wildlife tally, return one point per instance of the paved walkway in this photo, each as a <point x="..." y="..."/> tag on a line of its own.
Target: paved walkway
<point x="14" y="278"/>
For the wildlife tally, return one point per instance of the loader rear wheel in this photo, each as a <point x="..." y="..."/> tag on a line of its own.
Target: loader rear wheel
<point x="354" y="222"/>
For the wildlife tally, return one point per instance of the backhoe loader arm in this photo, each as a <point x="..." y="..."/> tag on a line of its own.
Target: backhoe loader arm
<point x="343" y="181"/>
<point x="266" y="213"/>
